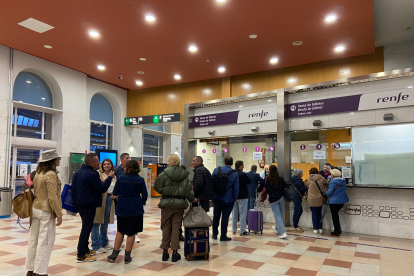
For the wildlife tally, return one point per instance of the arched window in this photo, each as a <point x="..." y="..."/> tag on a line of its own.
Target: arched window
<point x="102" y="117"/>
<point x="32" y="89"/>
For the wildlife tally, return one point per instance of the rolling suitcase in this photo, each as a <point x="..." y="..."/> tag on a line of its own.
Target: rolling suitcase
<point x="255" y="218"/>
<point x="196" y="243"/>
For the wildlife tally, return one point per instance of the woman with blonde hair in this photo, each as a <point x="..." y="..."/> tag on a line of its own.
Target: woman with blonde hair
<point x="47" y="206"/>
<point x="265" y="171"/>
<point x="174" y="186"/>
<point x="105" y="214"/>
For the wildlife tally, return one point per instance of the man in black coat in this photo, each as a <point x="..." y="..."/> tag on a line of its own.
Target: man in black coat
<point x="241" y="205"/>
<point x="202" y="183"/>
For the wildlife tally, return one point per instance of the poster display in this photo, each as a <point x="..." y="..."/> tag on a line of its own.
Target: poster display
<point x="319" y="154"/>
<point x="364" y="172"/>
<point x="257" y="155"/>
<point x="23" y="169"/>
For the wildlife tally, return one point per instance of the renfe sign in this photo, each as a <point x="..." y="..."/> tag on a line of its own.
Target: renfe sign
<point x="235" y="117"/>
<point x="379" y="100"/>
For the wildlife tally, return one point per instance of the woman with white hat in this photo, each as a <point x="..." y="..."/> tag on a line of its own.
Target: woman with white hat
<point x="47" y="206"/>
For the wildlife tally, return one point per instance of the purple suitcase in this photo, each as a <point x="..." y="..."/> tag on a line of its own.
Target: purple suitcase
<point x="255" y="218"/>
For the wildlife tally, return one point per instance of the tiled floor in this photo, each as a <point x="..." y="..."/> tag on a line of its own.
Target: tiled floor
<point x="299" y="255"/>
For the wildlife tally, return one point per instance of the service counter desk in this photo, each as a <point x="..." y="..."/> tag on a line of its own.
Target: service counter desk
<point x="373" y="211"/>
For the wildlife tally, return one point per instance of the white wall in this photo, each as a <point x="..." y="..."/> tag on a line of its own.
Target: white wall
<point x="399" y="56"/>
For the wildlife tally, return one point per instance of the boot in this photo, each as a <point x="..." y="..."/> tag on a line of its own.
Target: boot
<point x="175" y="256"/>
<point x="127" y="258"/>
<point x="113" y="256"/>
<point x="29" y="273"/>
<point x="165" y="255"/>
<point x="35" y="274"/>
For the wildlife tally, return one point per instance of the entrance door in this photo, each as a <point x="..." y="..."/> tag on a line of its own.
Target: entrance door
<point x="23" y="162"/>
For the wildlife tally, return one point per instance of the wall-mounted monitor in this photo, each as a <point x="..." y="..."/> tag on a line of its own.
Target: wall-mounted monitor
<point x="111" y="154"/>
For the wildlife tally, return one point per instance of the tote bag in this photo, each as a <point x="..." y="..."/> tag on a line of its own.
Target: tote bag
<point x="196" y="217"/>
<point x="67" y="201"/>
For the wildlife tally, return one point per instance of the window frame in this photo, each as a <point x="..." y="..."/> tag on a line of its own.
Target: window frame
<point x="14" y="134"/>
<point x="160" y="154"/>
<point x="107" y="125"/>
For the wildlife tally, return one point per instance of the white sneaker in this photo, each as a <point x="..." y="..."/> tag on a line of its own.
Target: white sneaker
<point x="284" y="236"/>
<point x="108" y="247"/>
<point x="137" y="240"/>
<point x="101" y="250"/>
<point x="315" y="231"/>
<point x="274" y="230"/>
<point x="320" y="231"/>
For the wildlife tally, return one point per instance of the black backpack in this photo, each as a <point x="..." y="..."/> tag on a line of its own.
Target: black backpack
<point x="220" y="182"/>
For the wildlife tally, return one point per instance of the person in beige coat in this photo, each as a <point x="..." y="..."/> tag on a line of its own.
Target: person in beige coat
<point x="316" y="197"/>
<point x="47" y="206"/>
<point x="105" y="214"/>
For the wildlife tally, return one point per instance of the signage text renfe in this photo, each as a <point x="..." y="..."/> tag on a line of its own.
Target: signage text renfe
<point x="153" y="119"/>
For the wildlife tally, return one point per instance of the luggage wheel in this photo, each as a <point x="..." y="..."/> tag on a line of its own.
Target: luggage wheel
<point x="207" y="257"/>
<point x="187" y="257"/>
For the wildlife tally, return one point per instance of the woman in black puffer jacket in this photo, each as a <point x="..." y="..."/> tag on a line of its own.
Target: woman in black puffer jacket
<point x="298" y="191"/>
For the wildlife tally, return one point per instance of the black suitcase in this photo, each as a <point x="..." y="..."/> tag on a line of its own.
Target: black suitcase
<point x="197" y="243"/>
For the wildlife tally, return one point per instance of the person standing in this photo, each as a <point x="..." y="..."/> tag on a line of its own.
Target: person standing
<point x="275" y="187"/>
<point x="87" y="190"/>
<point x="298" y="191"/>
<point x="316" y="185"/>
<point x="223" y="204"/>
<point x="255" y="181"/>
<point x="240" y="206"/>
<point x="47" y="206"/>
<point x="124" y="159"/>
<point x="326" y="171"/>
<point x="132" y="196"/>
<point x="175" y="187"/>
<point x="338" y="197"/>
<point x="264" y="173"/>
<point x="105" y="214"/>
<point x="202" y="183"/>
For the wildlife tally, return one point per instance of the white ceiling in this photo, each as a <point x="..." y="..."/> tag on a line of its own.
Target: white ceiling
<point x="392" y="18"/>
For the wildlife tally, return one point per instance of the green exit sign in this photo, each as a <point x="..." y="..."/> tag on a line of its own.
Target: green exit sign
<point x="156" y="119"/>
<point x="153" y="119"/>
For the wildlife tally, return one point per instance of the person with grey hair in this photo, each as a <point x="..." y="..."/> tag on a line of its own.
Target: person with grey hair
<point x="338" y="197"/>
<point x="298" y="192"/>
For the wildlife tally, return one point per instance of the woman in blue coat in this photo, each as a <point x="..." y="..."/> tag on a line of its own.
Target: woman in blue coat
<point x="132" y="195"/>
<point x="338" y="197"/>
<point x="298" y="191"/>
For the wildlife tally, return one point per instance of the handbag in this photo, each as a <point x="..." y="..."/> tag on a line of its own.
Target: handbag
<point x="263" y="195"/>
<point x="325" y="198"/>
<point x="67" y="200"/>
<point x="196" y="217"/>
<point x="304" y="197"/>
<point x="22" y="205"/>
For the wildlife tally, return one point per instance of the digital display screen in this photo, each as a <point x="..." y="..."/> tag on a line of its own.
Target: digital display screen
<point x="108" y="154"/>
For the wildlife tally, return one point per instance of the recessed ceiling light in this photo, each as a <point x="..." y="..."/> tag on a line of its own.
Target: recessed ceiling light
<point x="253" y="36"/>
<point x="35" y="25"/>
<point x="269" y="100"/>
<point x="43" y="98"/>
<point x="410" y="86"/>
<point x="150" y="18"/>
<point x="291" y="80"/>
<point x="221" y="1"/>
<point x="139" y="83"/>
<point x="274" y="60"/>
<point x="48" y="47"/>
<point x="297" y="43"/>
<point x="140" y="72"/>
<point x="207" y="91"/>
<point x="222" y="69"/>
<point x="101" y="67"/>
<point x="93" y="33"/>
<point x="246" y="86"/>
<point x="339" y="48"/>
<point x="330" y="18"/>
<point x="28" y="81"/>
<point x="240" y="106"/>
<point x="177" y="77"/>
<point x="143" y="59"/>
<point x="192" y="48"/>
<point x="351" y="113"/>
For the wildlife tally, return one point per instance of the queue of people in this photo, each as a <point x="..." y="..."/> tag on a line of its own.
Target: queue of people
<point x="99" y="195"/>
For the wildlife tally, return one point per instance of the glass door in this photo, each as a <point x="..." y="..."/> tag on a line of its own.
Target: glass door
<point x="23" y="162"/>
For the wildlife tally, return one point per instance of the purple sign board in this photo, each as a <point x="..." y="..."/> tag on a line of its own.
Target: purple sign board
<point x="302" y="147"/>
<point x="318" y="146"/>
<point x="244" y="149"/>
<point x="214" y="150"/>
<point x="225" y="150"/>
<point x="257" y="149"/>
<point x="203" y="151"/>
<point x="271" y="148"/>
<point x="337" y="146"/>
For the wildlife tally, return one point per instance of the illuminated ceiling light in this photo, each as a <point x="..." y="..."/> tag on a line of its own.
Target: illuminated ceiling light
<point x="330" y="18"/>
<point x="139" y="83"/>
<point x="93" y="33"/>
<point x="274" y="60"/>
<point x="297" y="43"/>
<point x="222" y="69"/>
<point x="207" y="91"/>
<point x="142" y="59"/>
<point x="28" y="81"/>
<point x="177" y="77"/>
<point x="150" y="18"/>
<point x="192" y="48"/>
<point x="101" y="67"/>
<point x="410" y="86"/>
<point x="269" y="100"/>
<point x="246" y="86"/>
<point x="339" y="48"/>
<point x="43" y="98"/>
<point x="48" y="47"/>
<point x="291" y="80"/>
<point x="252" y="36"/>
<point x="221" y="1"/>
<point x="140" y="72"/>
<point x="351" y="113"/>
<point x="240" y="106"/>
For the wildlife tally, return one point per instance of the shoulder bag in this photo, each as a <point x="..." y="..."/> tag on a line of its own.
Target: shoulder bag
<point x="325" y="198"/>
<point x="22" y="205"/>
<point x="196" y="217"/>
<point x="304" y="197"/>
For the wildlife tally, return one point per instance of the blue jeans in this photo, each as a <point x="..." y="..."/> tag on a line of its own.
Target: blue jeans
<point x="316" y="217"/>
<point x="278" y="208"/>
<point x="240" y="205"/>
<point x="252" y="200"/>
<point x="221" y="209"/>
<point x="297" y="211"/>
<point x="99" y="233"/>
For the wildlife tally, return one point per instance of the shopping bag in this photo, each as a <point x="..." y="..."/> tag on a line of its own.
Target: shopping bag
<point x="197" y="217"/>
<point x="67" y="201"/>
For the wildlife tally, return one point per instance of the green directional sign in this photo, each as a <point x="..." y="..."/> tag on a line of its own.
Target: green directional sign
<point x="126" y="122"/>
<point x="153" y="119"/>
<point x="77" y="158"/>
<point x="156" y="119"/>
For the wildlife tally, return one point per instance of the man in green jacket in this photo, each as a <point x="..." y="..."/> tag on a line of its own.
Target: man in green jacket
<point x="174" y="186"/>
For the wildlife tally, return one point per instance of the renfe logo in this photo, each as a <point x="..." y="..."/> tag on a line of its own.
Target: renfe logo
<point x="393" y="98"/>
<point x="261" y="115"/>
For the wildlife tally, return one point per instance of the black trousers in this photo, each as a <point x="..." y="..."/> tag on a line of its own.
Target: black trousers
<point x="87" y="216"/>
<point x="335" y="216"/>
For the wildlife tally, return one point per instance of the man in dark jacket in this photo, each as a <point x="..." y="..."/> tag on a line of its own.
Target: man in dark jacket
<point x="202" y="184"/>
<point x="242" y="201"/>
<point x="255" y="180"/>
<point x="87" y="190"/>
